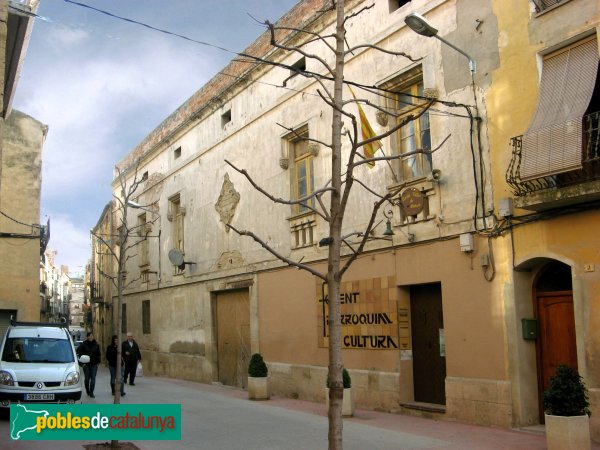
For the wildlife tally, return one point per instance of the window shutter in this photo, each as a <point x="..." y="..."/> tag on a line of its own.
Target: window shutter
<point x="553" y="142"/>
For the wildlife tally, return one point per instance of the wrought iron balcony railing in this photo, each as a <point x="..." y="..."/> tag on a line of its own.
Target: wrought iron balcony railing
<point x="590" y="161"/>
<point x="96" y="292"/>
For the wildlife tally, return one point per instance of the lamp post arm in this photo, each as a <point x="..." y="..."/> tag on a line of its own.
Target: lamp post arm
<point x="472" y="65"/>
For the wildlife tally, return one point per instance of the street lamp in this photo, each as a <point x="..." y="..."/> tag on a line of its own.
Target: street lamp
<point x="135" y="205"/>
<point x="419" y="25"/>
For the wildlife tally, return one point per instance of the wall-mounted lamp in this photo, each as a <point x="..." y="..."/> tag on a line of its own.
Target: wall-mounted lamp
<point x="388" y="224"/>
<point x="325" y="242"/>
<point x="419" y="25"/>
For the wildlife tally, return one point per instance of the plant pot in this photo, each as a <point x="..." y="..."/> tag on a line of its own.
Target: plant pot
<point x="347" y="402"/>
<point x="258" y="388"/>
<point x="568" y="433"/>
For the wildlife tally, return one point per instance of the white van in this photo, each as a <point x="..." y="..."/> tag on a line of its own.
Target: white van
<point x="38" y="364"/>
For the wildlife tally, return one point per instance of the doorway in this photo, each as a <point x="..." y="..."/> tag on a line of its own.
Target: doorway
<point x="428" y="343"/>
<point x="553" y="306"/>
<point x="233" y="337"/>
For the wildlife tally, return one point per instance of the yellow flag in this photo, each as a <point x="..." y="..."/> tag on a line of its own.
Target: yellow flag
<point x="367" y="133"/>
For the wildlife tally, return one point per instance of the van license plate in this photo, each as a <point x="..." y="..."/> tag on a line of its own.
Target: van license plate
<point x="39" y="396"/>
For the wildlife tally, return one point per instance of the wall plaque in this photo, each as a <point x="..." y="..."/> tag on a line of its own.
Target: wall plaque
<point x="412" y="201"/>
<point x="369" y="314"/>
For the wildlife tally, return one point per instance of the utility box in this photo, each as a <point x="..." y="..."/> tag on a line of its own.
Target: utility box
<point x="505" y="207"/>
<point x="466" y="242"/>
<point x="530" y="329"/>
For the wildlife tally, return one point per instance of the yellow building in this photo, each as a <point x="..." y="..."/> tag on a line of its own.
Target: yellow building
<point x="21" y="140"/>
<point x="544" y="108"/>
<point x="101" y="272"/>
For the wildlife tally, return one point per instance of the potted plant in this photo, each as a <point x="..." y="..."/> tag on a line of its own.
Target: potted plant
<point x="566" y="408"/>
<point x="348" y="400"/>
<point x="258" y="388"/>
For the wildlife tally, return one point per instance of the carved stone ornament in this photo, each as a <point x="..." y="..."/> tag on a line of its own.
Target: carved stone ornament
<point x="284" y="163"/>
<point x="229" y="260"/>
<point x="227" y="202"/>
<point x="382" y="118"/>
<point x="313" y="148"/>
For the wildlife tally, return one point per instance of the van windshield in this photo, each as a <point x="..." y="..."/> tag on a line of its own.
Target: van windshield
<point x="38" y="350"/>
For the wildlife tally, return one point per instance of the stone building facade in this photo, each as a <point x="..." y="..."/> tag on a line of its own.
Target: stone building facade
<point x="432" y="309"/>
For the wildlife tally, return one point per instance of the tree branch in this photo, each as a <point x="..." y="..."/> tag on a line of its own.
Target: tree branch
<point x="302" y="137"/>
<point x="301" y="201"/>
<point x="279" y="256"/>
<point x="366" y="234"/>
<point x="299" y="50"/>
<point x="402" y="155"/>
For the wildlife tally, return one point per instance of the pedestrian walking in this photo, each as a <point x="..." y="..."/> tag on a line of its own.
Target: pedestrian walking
<point x="111" y="357"/>
<point x="131" y="355"/>
<point x="91" y="348"/>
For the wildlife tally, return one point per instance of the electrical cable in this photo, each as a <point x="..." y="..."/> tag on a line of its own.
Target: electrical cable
<point x="151" y="27"/>
<point x="35" y="225"/>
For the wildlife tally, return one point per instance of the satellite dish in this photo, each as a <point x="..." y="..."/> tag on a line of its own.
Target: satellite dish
<point x="176" y="258"/>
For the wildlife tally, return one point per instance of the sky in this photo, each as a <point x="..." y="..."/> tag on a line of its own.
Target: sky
<point x="102" y="84"/>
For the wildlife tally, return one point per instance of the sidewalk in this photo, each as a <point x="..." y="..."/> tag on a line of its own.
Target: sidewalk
<point x="221" y="418"/>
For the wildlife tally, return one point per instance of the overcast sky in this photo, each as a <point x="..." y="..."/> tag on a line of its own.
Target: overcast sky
<point x="102" y="84"/>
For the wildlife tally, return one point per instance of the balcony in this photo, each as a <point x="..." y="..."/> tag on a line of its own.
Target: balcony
<point x="96" y="292"/>
<point x="563" y="189"/>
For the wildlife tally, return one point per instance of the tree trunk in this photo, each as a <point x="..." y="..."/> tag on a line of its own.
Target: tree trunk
<point x="120" y="287"/>
<point x="336" y="390"/>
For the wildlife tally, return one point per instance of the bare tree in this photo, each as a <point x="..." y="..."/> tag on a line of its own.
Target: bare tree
<point x="338" y="188"/>
<point x="128" y="237"/>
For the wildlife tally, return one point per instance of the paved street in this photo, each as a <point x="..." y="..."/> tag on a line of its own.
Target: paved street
<point x="221" y="418"/>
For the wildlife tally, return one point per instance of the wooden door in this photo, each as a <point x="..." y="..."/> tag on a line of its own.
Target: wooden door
<point x="429" y="357"/>
<point x="233" y="337"/>
<point x="556" y="344"/>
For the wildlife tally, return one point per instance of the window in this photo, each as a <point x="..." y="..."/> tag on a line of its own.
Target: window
<point x="176" y="215"/>
<point x="302" y="182"/>
<point x="145" y="176"/>
<point x="225" y="118"/>
<point x="143" y="228"/>
<point x="146" y="317"/>
<point x="298" y="66"/>
<point x="542" y="5"/>
<point x="414" y="135"/>
<point x="177" y="153"/>
<point x="124" y="318"/>
<point x="145" y="276"/>
<point x="553" y="144"/>
<point x="397" y="4"/>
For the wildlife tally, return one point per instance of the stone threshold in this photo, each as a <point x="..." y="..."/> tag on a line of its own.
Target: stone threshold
<point x="420" y="406"/>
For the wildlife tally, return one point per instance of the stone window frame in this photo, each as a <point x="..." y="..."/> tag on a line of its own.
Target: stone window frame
<point x="146" y="317"/>
<point x="176" y="215"/>
<point x="410" y="79"/>
<point x="143" y="228"/>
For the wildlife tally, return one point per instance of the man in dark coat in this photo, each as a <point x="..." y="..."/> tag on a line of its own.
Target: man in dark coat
<point x="91" y="348"/>
<point x="111" y="357"/>
<point x="131" y="355"/>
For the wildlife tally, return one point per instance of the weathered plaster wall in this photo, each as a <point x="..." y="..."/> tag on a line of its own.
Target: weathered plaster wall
<point x="524" y="37"/>
<point x="23" y="138"/>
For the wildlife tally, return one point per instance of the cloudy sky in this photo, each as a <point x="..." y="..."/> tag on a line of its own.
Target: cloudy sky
<point x="102" y="84"/>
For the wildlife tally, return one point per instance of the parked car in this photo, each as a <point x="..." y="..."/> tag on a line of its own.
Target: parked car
<point x="38" y="364"/>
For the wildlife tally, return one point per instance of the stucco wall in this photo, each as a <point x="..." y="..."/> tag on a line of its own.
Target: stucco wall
<point x="20" y="199"/>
